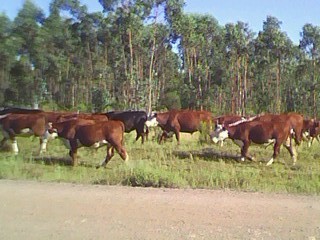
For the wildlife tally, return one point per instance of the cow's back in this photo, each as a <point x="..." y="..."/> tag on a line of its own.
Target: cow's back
<point x="18" y="121"/>
<point x="106" y="130"/>
<point x="190" y="121"/>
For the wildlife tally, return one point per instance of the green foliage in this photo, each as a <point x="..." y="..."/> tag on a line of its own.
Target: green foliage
<point x="141" y="54"/>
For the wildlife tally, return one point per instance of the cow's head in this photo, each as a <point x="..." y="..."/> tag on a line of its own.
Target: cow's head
<point x="219" y="134"/>
<point x="152" y="120"/>
<point x="51" y="132"/>
<point x="315" y="129"/>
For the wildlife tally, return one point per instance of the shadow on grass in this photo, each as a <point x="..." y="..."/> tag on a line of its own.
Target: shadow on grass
<point x="207" y="153"/>
<point x="50" y="160"/>
<point x="63" y="161"/>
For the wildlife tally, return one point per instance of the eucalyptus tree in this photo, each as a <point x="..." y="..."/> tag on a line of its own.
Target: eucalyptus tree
<point x="25" y="35"/>
<point x="272" y="50"/>
<point x="239" y="51"/>
<point x="7" y="55"/>
<point x="66" y="78"/>
<point x="310" y="44"/>
<point x="199" y="42"/>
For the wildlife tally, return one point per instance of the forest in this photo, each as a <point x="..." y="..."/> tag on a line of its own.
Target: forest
<point x="151" y="55"/>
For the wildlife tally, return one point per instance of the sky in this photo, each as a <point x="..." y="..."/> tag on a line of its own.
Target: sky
<point x="292" y="13"/>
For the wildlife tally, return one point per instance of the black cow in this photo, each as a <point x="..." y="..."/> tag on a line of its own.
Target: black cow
<point x="132" y="120"/>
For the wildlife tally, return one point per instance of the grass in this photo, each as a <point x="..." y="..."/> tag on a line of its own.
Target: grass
<point x="154" y="165"/>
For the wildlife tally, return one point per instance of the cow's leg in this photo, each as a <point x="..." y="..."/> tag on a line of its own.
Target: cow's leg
<point x="73" y="152"/>
<point x="123" y="153"/>
<point x="177" y="133"/>
<point x="3" y="141"/>
<point x="276" y="151"/>
<point x="43" y="145"/>
<point x="14" y="145"/>
<point x="292" y="150"/>
<point x="146" y="132"/>
<point x="244" y="151"/>
<point x="163" y="136"/>
<point x="140" y="134"/>
<point x="110" y="154"/>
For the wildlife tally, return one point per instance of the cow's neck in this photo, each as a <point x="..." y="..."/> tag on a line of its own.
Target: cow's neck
<point x="231" y="131"/>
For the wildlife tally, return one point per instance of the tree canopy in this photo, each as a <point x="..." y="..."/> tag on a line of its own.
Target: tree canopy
<point x="151" y="55"/>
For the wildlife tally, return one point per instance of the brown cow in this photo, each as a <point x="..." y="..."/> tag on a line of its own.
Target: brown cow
<point x="295" y="120"/>
<point x="16" y="124"/>
<point x="89" y="133"/>
<point x="314" y="132"/>
<point x="259" y="132"/>
<point x="188" y="121"/>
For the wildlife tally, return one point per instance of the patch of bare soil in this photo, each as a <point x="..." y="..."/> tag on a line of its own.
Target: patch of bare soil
<point x="34" y="210"/>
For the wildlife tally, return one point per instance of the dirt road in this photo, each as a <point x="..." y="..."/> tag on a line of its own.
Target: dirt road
<point x="33" y="210"/>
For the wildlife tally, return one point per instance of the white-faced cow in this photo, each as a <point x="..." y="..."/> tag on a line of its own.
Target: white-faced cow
<point x="177" y="121"/>
<point x="226" y="120"/>
<point x="90" y="133"/>
<point x="132" y="120"/>
<point x="259" y="132"/>
<point x="21" y="124"/>
<point x="159" y="119"/>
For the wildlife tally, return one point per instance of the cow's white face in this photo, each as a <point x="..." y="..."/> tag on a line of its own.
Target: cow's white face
<point x="152" y="122"/>
<point x="219" y="135"/>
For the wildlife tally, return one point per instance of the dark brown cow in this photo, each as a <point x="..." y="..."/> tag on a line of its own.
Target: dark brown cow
<point x="89" y="133"/>
<point x="259" y="132"/>
<point x="16" y="124"/>
<point x="188" y="121"/>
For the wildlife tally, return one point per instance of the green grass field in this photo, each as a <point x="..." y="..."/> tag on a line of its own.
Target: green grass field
<point x="154" y="165"/>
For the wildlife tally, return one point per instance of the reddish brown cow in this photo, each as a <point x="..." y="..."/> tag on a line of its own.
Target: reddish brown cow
<point x="259" y="132"/>
<point x="16" y="124"/>
<point x="90" y="133"/>
<point x="182" y="121"/>
<point x="314" y="130"/>
<point x="295" y="120"/>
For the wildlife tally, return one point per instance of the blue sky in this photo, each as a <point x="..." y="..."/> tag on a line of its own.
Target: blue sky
<point x="293" y="13"/>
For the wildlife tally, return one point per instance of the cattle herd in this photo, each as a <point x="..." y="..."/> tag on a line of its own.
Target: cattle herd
<point x="108" y="129"/>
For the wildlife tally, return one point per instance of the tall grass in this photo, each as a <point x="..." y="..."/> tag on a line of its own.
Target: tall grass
<point x="154" y="165"/>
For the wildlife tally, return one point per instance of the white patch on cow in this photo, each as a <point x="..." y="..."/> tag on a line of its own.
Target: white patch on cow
<point x="50" y="136"/>
<point x="126" y="160"/>
<point x="242" y="159"/>
<point x="239" y="143"/>
<point x="270" y="162"/>
<point x="15" y="148"/>
<point x="152" y="122"/>
<point x="219" y="127"/>
<point x="26" y="132"/>
<point x="218" y="136"/>
<point x="99" y="144"/>
<point x="43" y="146"/>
